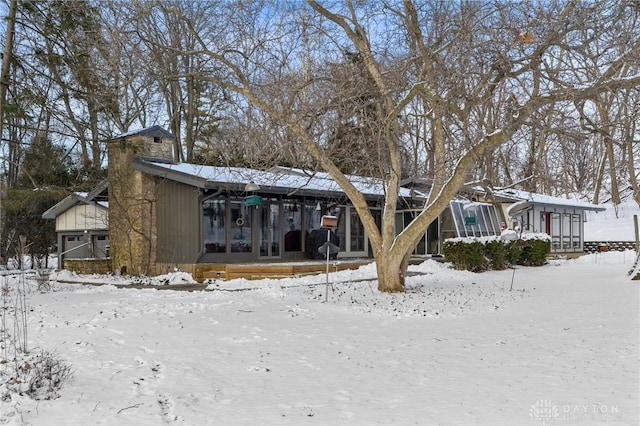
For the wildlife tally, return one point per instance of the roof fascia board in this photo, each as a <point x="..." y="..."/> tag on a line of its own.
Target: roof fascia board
<point x="569" y="206"/>
<point x="68" y="202"/>
<point x="559" y="204"/>
<point x="204" y="183"/>
<point x="147" y="131"/>
<point x="187" y="179"/>
<point x="100" y="187"/>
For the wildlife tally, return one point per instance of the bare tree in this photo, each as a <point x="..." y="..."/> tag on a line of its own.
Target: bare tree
<point x="631" y="138"/>
<point x="191" y="104"/>
<point x="515" y="77"/>
<point x="61" y="45"/>
<point x="4" y="84"/>
<point x="6" y="58"/>
<point x="127" y="71"/>
<point x="447" y="90"/>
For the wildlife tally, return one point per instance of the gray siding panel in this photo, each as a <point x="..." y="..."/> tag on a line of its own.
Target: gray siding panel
<point x="178" y="223"/>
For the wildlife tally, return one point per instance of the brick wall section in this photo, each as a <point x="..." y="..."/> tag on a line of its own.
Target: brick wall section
<point x="592" y="246"/>
<point x="88" y="266"/>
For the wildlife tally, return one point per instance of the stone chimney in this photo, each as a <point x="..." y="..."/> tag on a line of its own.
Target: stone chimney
<point x="132" y="199"/>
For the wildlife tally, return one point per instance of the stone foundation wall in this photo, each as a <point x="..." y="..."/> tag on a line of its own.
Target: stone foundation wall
<point x="88" y="266"/>
<point x="593" y="246"/>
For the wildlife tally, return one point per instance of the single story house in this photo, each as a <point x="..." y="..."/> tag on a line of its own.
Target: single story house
<point x="164" y="215"/>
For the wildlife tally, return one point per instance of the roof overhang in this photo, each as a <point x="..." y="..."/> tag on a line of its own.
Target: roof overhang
<point x="278" y="180"/>
<point x="151" y="131"/>
<point x="519" y="207"/>
<point x="523" y="206"/>
<point x="523" y="200"/>
<point x="74" y="199"/>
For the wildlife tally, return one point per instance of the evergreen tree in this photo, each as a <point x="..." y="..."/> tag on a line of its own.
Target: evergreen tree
<point x="42" y="182"/>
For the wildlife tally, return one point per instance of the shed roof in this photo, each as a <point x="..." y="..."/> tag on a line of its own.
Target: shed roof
<point x="152" y="131"/>
<point x="524" y="199"/>
<point x="93" y="197"/>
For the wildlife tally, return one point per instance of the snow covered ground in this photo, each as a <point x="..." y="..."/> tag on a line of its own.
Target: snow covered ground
<point x="614" y="224"/>
<point x="562" y="348"/>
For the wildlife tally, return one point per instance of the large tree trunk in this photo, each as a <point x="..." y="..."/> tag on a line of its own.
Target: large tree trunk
<point x="598" y="178"/>
<point x="4" y="84"/>
<point x="633" y="180"/>
<point x="391" y="273"/>
<point x="6" y="58"/>
<point x="615" y="192"/>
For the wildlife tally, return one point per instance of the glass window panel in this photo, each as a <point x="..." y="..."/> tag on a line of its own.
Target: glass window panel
<point x="484" y="216"/>
<point x="448" y="226"/>
<point x="566" y="230"/>
<point x="555" y="230"/>
<point x="481" y="220"/>
<point x="494" y="220"/>
<point x="311" y="217"/>
<point x="341" y="231"/>
<point x="274" y="213"/>
<point x="480" y="229"/>
<point x="576" y="230"/>
<point x="269" y="231"/>
<point x="240" y="227"/>
<point x="488" y="226"/>
<point x="432" y="238"/>
<point x="458" y="218"/>
<point x="293" y="226"/>
<point x="407" y="217"/>
<point x="486" y="212"/>
<point x="356" y="231"/>
<point x="213" y="226"/>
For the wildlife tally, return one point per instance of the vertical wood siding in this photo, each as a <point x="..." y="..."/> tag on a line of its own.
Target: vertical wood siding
<point x="178" y="222"/>
<point x="81" y="217"/>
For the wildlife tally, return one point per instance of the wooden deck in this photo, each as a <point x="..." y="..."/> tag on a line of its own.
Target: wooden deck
<point x="284" y="269"/>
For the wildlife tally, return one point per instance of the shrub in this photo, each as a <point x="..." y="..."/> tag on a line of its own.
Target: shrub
<point x="496" y="252"/>
<point x="536" y="253"/>
<point x="38" y="376"/>
<point x="483" y="253"/>
<point x="514" y="254"/>
<point x="466" y="254"/>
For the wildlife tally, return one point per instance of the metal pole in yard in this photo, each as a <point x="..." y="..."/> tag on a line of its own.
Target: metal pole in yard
<point x="635" y="224"/>
<point x="326" y="290"/>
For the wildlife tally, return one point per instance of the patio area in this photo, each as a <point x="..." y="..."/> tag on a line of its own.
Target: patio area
<point x="279" y="269"/>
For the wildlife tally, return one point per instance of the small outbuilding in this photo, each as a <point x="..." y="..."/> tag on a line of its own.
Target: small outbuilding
<point x="560" y="218"/>
<point x="82" y="224"/>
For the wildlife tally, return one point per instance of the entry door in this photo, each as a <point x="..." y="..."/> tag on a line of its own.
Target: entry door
<point x="270" y="229"/>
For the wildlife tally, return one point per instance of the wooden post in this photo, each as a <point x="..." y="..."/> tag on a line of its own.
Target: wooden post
<point x="635" y="225"/>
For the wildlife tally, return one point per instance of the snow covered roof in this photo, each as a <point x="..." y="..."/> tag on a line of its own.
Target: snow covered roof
<point x="152" y="131"/>
<point x="525" y="198"/>
<point x="283" y="180"/>
<point x="76" y="198"/>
